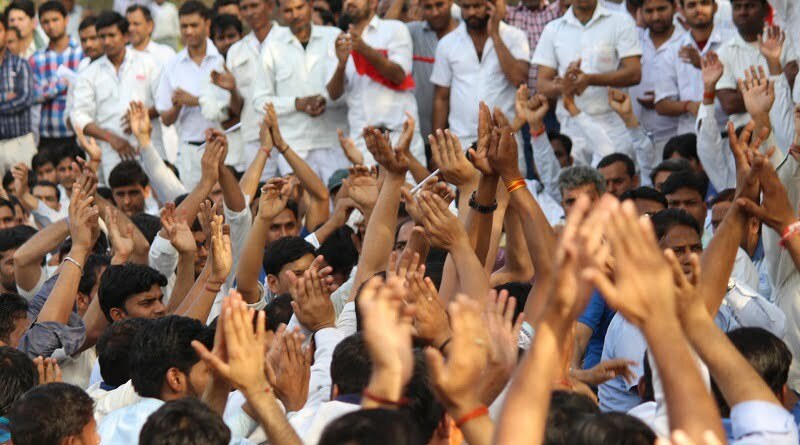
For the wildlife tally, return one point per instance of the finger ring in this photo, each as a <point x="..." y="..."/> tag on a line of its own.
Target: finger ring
<point x="479" y="342"/>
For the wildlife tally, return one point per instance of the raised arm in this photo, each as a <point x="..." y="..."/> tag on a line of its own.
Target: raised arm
<point x="181" y="238"/>
<point x="166" y="185"/>
<point x="252" y="176"/>
<point x="28" y="258"/>
<point x="515" y="69"/>
<point x="336" y="85"/>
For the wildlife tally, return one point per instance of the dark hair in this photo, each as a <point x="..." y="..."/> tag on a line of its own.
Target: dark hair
<point x="68" y="151"/>
<point x="563" y="138"/>
<point x="87" y="23"/>
<point x="13" y="29"/>
<point x="49" y="184"/>
<point x="194" y="7"/>
<point x="567" y="410"/>
<point x="616" y="428"/>
<point x="766" y="353"/>
<point x="423" y="409"/>
<point x="4" y="22"/>
<point x="12" y="308"/>
<point x="165" y="344"/>
<point x="665" y="220"/>
<point x="112" y="18"/>
<point x="518" y="290"/>
<point x="283" y="251"/>
<point x="14" y="237"/>
<point x="184" y="421"/>
<point x="8" y="179"/>
<point x="279" y="311"/>
<point x="121" y="282"/>
<point x="18" y="374"/>
<point x="630" y="167"/>
<point x="9" y="204"/>
<point x="685" y="179"/>
<point x="114" y="349"/>
<point x="53" y="6"/>
<point x="647" y="379"/>
<point x="48" y="414"/>
<point x="25" y="6"/>
<point x="220" y="3"/>
<point x="372" y="426"/>
<point x="646" y="193"/>
<point x="339" y="251"/>
<point x="351" y="365"/>
<point x="127" y="173"/>
<point x="293" y="207"/>
<point x="105" y="193"/>
<point x="727" y="195"/>
<point x="670" y="165"/>
<point x="149" y="225"/>
<point x="89" y="278"/>
<point x="40" y="159"/>
<point x="224" y="21"/>
<point x="148" y="16"/>
<point x="683" y="144"/>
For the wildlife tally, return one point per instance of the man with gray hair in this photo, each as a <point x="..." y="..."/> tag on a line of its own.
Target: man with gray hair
<point x="580" y="180"/>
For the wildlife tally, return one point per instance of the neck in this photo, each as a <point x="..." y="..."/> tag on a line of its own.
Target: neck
<point x="583" y="14"/>
<point x="660" y="37"/>
<point x="117" y="59"/>
<point x="199" y="51"/>
<point x="451" y="25"/>
<point x="25" y="42"/>
<point x="143" y="44"/>
<point x="360" y="25"/>
<point x="263" y="31"/>
<point x="2" y="53"/>
<point x="702" y="34"/>
<point x="303" y="34"/>
<point x="60" y="44"/>
<point x="748" y="37"/>
<point x="478" y="33"/>
<point x="537" y="6"/>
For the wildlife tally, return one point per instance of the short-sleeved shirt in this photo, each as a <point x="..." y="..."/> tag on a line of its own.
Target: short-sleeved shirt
<point x="472" y="80"/>
<point x="597" y="316"/>
<point x="425" y="41"/>
<point x="601" y="43"/>
<point x="533" y="23"/>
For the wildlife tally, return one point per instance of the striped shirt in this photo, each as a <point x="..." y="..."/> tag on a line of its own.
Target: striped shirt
<point x="15" y="113"/>
<point x="51" y="89"/>
<point x="532" y="22"/>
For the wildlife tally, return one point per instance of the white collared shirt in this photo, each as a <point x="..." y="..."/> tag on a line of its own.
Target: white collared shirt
<point x="737" y="56"/>
<point x="606" y="39"/>
<point x="244" y="62"/>
<point x="680" y="80"/>
<point x="472" y="80"/>
<point x="102" y="93"/>
<point x="292" y="72"/>
<point x="662" y="127"/>
<point x="369" y="102"/>
<point x="182" y="72"/>
<point x="165" y="21"/>
<point x="161" y="53"/>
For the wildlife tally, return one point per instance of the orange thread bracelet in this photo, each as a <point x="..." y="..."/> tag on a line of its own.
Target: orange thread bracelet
<point x="537" y="133"/>
<point x="515" y="185"/>
<point x="378" y="399"/>
<point x="474" y="414"/>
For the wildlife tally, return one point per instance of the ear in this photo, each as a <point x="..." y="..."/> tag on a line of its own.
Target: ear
<point x="334" y="391"/>
<point x="272" y="283"/>
<point x="83" y="301"/>
<point x="636" y="181"/>
<point x="117" y="314"/>
<point x="755" y="225"/>
<point x="175" y="381"/>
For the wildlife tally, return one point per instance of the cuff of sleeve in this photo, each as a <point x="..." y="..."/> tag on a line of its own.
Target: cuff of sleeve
<point x="283" y="104"/>
<point x="231" y="216"/>
<point x="756" y="417"/>
<point x="80" y="120"/>
<point x="163" y="246"/>
<point x="312" y="239"/>
<point x="42" y="339"/>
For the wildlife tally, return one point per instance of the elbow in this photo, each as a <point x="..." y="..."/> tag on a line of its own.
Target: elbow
<point x="661" y="108"/>
<point x="397" y="76"/>
<point x="635" y="77"/>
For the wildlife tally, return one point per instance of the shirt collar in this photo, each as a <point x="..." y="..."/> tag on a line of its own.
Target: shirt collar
<point x="211" y="51"/>
<point x="737" y="40"/>
<point x="128" y="54"/>
<point x="290" y="37"/>
<point x="374" y="22"/>
<point x="599" y="12"/>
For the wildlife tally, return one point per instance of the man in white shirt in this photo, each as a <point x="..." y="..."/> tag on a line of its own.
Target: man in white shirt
<point x="484" y="59"/>
<point x="679" y="84"/>
<point x="165" y="17"/>
<point x="749" y="48"/>
<point x="74" y="17"/>
<point x="373" y="72"/>
<point x="140" y="29"/>
<point x="600" y="49"/>
<point x="660" y="32"/>
<point x="182" y="81"/>
<point x="296" y="65"/>
<point x="244" y="63"/>
<point x="108" y="85"/>
<point x="93" y="49"/>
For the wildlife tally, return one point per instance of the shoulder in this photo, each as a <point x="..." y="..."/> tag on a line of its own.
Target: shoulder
<point x="513" y="32"/>
<point x="328" y="31"/>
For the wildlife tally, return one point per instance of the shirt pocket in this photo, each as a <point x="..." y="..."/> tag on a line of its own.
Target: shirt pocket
<point x="243" y="72"/>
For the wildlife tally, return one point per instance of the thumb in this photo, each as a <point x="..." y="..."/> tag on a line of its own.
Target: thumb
<point x="752" y="208"/>
<point x="435" y="365"/>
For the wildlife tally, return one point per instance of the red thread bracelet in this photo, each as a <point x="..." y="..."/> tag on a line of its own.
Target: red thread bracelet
<point x="537" y="133"/>
<point x="378" y="399"/>
<point x="790" y="231"/>
<point x="474" y="414"/>
<point x="565" y="382"/>
<point x="709" y="96"/>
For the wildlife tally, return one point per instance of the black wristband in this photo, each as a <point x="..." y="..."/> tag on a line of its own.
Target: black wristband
<point x="481" y="208"/>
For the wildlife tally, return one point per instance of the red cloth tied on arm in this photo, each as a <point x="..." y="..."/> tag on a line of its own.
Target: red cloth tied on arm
<point x="364" y="67"/>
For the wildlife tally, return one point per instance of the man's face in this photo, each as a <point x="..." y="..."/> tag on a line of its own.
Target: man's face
<point x="48" y="195"/>
<point x="617" y="179"/>
<point x="54" y="24"/>
<point x="7" y="219"/>
<point x="129" y="199"/>
<point x="69" y="4"/>
<point x="139" y="29"/>
<point x="296" y="15"/>
<point x="148" y="305"/>
<point x="194" y="30"/>
<point x="257" y="13"/>
<point x="684" y="241"/>
<point x="113" y="41"/>
<point x="298" y="266"/>
<point x="564" y="159"/>
<point x="660" y="178"/>
<point x="283" y="225"/>
<point x="198" y="379"/>
<point x="690" y="201"/>
<point x="47" y="172"/>
<point x="403" y="235"/>
<point x="475" y="14"/>
<point x="89" y="435"/>
<point x="7" y="266"/>
<point x="749" y="16"/>
<point x="658" y="15"/>
<point x="357" y="10"/>
<point x="64" y="173"/>
<point x="201" y="255"/>
<point x="12" y="42"/>
<point x="648" y="207"/>
<point x="437" y="13"/>
<point x="90" y="42"/>
<point x="233" y="10"/>
<point x="223" y="41"/>
<point x="718" y="212"/>
<point x="699" y="13"/>
<point x="21" y="215"/>
<point x="3" y="39"/>
<point x="570" y="196"/>
<point x="22" y="22"/>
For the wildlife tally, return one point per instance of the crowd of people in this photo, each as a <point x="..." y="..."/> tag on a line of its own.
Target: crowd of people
<point x="400" y="222"/>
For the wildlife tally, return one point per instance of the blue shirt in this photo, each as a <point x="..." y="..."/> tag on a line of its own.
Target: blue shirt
<point x="15" y="110"/>
<point x="758" y="422"/>
<point x="597" y="317"/>
<point x="51" y="89"/>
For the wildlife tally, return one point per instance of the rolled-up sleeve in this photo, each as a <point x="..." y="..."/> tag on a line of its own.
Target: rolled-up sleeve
<point x="42" y="339"/>
<point x="759" y="422"/>
<point x="84" y="107"/>
<point x="401" y="48"/>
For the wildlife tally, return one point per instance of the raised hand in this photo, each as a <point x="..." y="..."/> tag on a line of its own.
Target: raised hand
<point x="712" y="70"/>
<point x="691" y="306"/>
<point x="758" y="91"/>
<point x="83" y="217"/>
<point x="503" y="154"/>
<point x="350" y="149"/>
<point x="180" y="235"/>
<point x="121" y="240"/>
<point x="221" y="254"/>
<point x="744" y="147"/>
<point x="776" y="210"/>
<point x="479" y="155"/>
<point x="620" y="102"/>
<point x="48" y="370"/>
<point x="289" y="369"/>
<point x="449" y="157"/>
<point x="311" y="300"/>
<point x="432" y="185"/>
<point x="274" y="196"/>
<point x="140" y="123"/>
<point x="206" y="216"/>
<point x="265" y="135"/>
<point x="223" y="79"/>
<point x="503" y="331"/>
<point x="274" y="128"/>
<point x="362" y="187"/>
<point x="89" y="145"/>
<point x="770" y="44"/>
<point x="344" y="45"/>
<point x="209" y="163"/>
<point x="380" y="146"/>
<point x="20" y="173"/>
<point x="441" y="225"/>
<point x="431" y="323"/>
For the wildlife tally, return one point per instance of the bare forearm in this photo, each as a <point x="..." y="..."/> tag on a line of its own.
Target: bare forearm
<point x="95" y="322"/>
<point x="184" y="278"/>
<point x="231" y="192"/>
<point x="418" y="171"/>
<point x="196" y="289"/>
<point x="96" y="132"/>
<point x="336" y="84"/>
<point x="732" y="101"/>
<point x="311" y="183"/>
<point x="251" y="259"/>
<point x="516" y="71"/>
<point x="669" y="107"/>
<point x="386" y="68"/>
<point x="252" y="176"/>
<point x="582" y="335"/>
<point x="170" y="116"/>
<point x="718" y="258"/>
<point x="28" y="258"/>
<point x="547" y="86"/>
<point x="472" y="279"/>
<point x="236" y="103"/>
<point x="480" y="236"/>
<point x="270" y="416"/>
<point x="441" y="110"/>
<point x="624" y="77"/>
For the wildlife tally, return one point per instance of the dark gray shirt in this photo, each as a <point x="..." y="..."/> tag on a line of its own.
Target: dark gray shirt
<point x="425" y="41"/>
